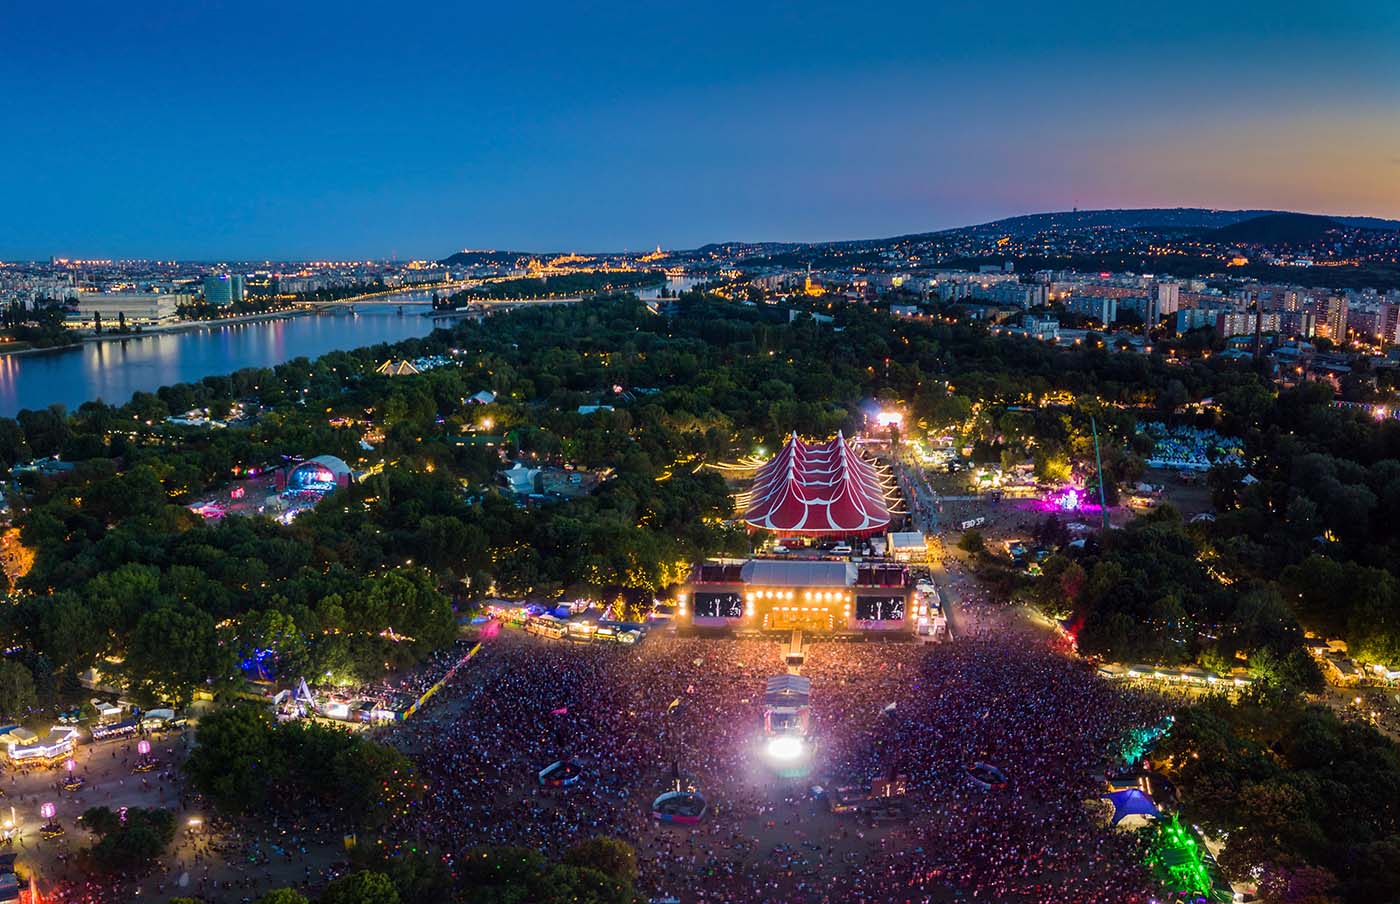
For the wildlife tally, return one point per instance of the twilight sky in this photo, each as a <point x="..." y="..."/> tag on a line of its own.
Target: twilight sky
<point x="300" y="128"/>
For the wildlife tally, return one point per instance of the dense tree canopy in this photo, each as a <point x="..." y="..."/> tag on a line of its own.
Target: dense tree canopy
<point x="1290" y="784"/>
<point x="126" y="578"/>
<point x="247" y="764"/>
<point x="129" y="841"/>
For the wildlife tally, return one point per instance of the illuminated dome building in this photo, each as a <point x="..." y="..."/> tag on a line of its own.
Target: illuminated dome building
<point x="321" y="474"/>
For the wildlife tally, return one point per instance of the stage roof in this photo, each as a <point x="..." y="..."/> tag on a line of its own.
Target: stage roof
<point x="787" y="690"/>
<point x="798" y="573"/>
<point x="817" y="488"/>
<point x="336" y="466"/>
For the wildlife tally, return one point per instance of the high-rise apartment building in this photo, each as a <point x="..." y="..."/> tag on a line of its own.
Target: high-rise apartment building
<point x="1333" y="323"/>
<point x="223" y="288"/>
<point x="1166" y="300"/>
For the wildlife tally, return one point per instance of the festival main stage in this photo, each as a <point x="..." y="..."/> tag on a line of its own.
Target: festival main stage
<point x="822" y="596"/>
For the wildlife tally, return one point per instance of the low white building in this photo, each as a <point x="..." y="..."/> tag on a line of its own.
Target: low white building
<point x="907" y="546"/>
<point x="136" y="308"/>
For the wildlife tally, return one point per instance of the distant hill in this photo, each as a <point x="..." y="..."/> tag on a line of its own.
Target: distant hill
<point x="1254" y="227"/>
<point x="1369" y="223"/>
<point x="483" y="258"/>
<point x="1145" y="218"/>
<point x="1140" y="218"/>
<point x="737" y="249"/>
<point x="1276" y="229"/>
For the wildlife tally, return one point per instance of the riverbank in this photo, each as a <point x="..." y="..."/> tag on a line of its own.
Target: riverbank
<point x="180" y="326"/>
<point x="184" y="326"/>
<point x="26" y="349"/>
<point x="112" y="369"/>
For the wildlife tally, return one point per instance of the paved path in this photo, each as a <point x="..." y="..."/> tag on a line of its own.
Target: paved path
<point x="949" y="595"/>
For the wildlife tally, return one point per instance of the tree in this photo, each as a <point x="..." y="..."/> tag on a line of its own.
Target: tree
<point x="512" y="875"/>
<point x="374" y="782"/>
<point x="363" y="887"/>
<point x="14" y="448"/>
<point x="1172" y="397"/>
<point x="442" y="542"/>
<point x="235" y="762"/>
<point x="46" y="430"/>
<point x="1297" y="885"/>
<point x="173" y="650"/>
<point x="407" y="603"/>
<point x="282" y="896"/>
<point x="1052" y="466"/>
<point x="17" y="694"/>
<point x="1377" y="872"/>
<point x="610" y="856"/>
<point x="272" y="630"/>
<point x="972" y="542"/>
<point x="420" y="876"/>
<point x="1256" y="767"/>
<point x="129" y="841"/>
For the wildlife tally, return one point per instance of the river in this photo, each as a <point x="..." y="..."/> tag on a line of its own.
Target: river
<point x="114" y="370"/>
<point x="674" y="283"/>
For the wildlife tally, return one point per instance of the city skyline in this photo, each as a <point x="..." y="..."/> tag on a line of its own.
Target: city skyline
<point x="263" y="132"/>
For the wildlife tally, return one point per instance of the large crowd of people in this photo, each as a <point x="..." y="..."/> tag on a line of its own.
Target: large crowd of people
<point x="410" y="684"/>
<point x="635" y="717"/>
<point x="1041" y="718"/>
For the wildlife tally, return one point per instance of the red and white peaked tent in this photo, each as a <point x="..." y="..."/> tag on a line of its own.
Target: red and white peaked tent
<point x="817" y="488"/>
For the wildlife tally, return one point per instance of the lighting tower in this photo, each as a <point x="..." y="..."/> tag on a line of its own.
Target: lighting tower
<point x="1098" y="463"/>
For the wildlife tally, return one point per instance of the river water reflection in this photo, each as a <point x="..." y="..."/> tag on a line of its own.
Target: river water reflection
<point x="113" y="371"/>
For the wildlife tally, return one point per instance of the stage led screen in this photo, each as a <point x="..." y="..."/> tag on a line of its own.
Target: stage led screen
<point x="880" y="608"/>
<point x="719" y="605"/>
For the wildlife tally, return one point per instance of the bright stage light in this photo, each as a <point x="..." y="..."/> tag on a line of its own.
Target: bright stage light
<point x="887" y="419"/>
<point x="785" y="747"/>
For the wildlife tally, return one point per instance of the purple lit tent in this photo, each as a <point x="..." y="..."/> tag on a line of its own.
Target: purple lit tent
<point x="1132" y="802"/>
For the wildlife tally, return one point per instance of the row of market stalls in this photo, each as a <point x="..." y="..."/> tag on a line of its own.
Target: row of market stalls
<point x="566" y="621"/>
<point x="1178" y="675"/>
<point x="111" y="721"/>
<point x="363" y="708"/>
<point x="1333" y="657"/>
<point x="24" y="746"/>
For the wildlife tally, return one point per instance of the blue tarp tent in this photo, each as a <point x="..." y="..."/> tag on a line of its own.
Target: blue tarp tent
<point x="1132" y="802"/>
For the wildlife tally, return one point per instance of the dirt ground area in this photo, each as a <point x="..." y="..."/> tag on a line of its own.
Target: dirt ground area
<point x="218" y="860"/>
<point x="1188" y="492"/>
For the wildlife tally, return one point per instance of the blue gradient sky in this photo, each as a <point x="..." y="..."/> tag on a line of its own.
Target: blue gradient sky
<point x="354" y="129"/>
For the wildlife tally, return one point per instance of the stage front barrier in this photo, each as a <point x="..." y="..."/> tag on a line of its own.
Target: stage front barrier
<point x="438" y="685"/>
